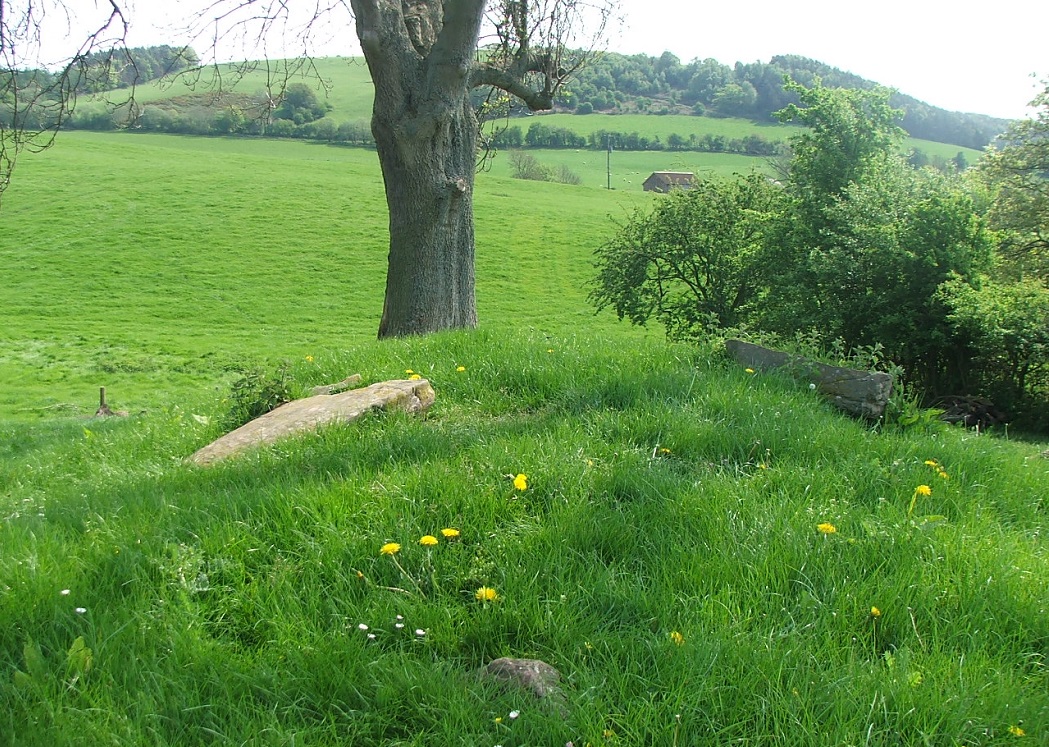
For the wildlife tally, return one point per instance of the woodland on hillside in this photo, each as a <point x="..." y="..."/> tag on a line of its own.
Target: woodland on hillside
<point x="612" y="83"/>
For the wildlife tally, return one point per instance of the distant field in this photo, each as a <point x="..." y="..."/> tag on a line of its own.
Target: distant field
<point x="346" y="84"/>
<point x="150" y="263"/>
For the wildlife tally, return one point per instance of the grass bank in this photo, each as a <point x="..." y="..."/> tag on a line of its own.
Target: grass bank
<point x="708" y="556"/>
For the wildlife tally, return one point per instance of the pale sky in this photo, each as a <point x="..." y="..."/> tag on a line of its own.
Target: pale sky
<point x="958" y="55"/>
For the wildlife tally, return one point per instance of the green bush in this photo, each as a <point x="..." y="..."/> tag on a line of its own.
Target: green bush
<point x="256" y="392"/>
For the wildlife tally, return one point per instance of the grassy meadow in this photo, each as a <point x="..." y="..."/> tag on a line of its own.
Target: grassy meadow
<point x="707" y="555"/>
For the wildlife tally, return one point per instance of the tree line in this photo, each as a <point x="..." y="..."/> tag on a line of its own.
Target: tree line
<point x="539" y="135"/>
<point x="665" y="85"/>
<point x="940" y="276"/>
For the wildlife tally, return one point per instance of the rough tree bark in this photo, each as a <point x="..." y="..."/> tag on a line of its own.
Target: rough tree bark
<point x="420" y="57"/>
<point x="423" y="59"/>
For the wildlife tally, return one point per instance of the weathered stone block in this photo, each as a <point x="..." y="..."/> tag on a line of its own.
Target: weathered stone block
<point x="857" y="392"/>
<point x="307" y="414"/>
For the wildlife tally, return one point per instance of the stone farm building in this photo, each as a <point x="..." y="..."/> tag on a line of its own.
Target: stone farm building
<point x="664" y="181"/>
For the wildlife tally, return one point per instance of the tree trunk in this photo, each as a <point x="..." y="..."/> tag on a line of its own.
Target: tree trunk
<point x="429" y="176"/>
<point x="420" y="54"/>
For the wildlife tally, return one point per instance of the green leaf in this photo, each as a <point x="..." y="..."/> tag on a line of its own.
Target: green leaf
<point x="79" y="658"/>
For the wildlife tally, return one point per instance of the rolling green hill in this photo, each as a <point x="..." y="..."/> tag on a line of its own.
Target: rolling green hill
<point x="345" y="85"/>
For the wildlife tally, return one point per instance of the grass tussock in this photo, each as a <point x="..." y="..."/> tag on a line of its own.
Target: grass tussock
<point x="708" y="556"/>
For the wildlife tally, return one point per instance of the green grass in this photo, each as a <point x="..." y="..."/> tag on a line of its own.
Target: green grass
<point x="668" y="492"/>
<point x="174" y="258"/>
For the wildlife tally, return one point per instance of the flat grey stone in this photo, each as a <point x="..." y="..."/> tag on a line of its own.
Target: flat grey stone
<point x="307" y="414"/>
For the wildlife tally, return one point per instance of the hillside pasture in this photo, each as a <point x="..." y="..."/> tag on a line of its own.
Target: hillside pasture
<point x="151" y="264"/>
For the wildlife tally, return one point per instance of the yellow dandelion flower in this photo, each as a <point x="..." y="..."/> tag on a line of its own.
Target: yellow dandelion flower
<point x="414" y="377"/>
<point x="450" y="533"/>
<point x="428" y="540"/>
<point x="409" y="371"/>
<point x="923" y="490"/>
<point x="498" y="719"/>
<point x="749" y="370"/>
<point x="521" y="482"/>
<point x="309" y="359"/>
<point x="943" y="475"/>
<point x="932" y="463"/>
<point x="875" y="612"/>
<point x="460" y="369"/>
<point x="486" y="594"/>
<point x="1016" y="731"/>
<point x="826" y="528"/>
<point x="608" y="734"/>
<point x="677" y="639"/>
<point x="390" y="548"/>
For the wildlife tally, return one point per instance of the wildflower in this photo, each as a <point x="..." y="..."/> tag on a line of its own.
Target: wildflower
<point x="521" y="482"/>
<point x="398" y="626"/>
<point x="309" y="359"/>
<point x="514" y="714"/>
<point x="826" y="528"/>
<point x="932" y="463"/>
<point x="608" y="734"/>
<point x="420" y="632"/>
<point x="414" y="377"/>
<point x="486" y="594"/>
<point x="80" y="610"/>
<point x="1016" y="731"/>
<point x="360" y="575"/>
<point x="371" y="636"/>
<point x="664" y="450"/>
<point x="875" y="612"/>
<point x="498" y="719"/>
<point x="943" y="475"/>
<point x="390" y="548"/>
<point x="460" y="369"/>
<point x="749" y="370"/>
<point x="677" y="639"/>
<point x="428" y="540"/>
<point x="362" y="626"/>
<point x="923" y="490"/>
<point x="64" y="592"/>
<point x="409" y="371"/>
<point x="450" y="533"/>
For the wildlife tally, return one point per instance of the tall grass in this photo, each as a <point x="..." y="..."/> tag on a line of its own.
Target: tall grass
<point x="666" y="556"/>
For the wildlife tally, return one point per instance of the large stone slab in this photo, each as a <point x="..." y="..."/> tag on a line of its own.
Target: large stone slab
<point x="857" y="392"/>
<point x="308" y="414"/>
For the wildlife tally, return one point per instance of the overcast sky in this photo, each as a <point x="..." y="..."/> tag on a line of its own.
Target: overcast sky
<point x="958" y="55"/>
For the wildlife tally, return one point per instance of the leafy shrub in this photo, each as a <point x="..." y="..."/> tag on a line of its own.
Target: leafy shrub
<point x="256" y="392"/>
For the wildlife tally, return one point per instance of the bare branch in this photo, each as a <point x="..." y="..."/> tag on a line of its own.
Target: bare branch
<point x="37" y="96"/>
